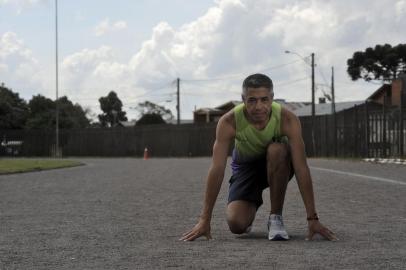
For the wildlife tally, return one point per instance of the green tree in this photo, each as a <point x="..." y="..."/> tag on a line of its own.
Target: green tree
<point x="43" y="112"/>
<point x="112" y="108"/>
<point x="13" y="109"/>
<point x="383" y="63"/>
<point x="150" y="108"/>
<point x="72" y="115"/>
<point x="150" y="119"/>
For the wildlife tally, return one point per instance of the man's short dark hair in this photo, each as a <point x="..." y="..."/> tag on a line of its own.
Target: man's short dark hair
<point x="255" y="81"/>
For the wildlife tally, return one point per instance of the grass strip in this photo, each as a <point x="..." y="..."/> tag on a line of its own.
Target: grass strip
<point x="8" y="166"/>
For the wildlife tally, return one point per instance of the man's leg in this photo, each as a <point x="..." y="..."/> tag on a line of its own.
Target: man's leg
<point x="279" y="172"/>
<point x="240" y="215"/>
<point x="279" y="169"/>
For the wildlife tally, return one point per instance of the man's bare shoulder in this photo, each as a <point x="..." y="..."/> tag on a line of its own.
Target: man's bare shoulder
<point x="228" y="119"/>
<point x="288" y="115"/>
<point x="226" y="125"/>
<point x="288" y="120"/>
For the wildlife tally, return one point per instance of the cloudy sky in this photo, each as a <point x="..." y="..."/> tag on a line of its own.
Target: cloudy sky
<point x="139" y="48"/>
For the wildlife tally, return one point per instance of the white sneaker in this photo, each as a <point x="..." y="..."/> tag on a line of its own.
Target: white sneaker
<point x="276" y="229"/>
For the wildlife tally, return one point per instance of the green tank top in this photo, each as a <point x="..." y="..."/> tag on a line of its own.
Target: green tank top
<point x="251" y="143"/>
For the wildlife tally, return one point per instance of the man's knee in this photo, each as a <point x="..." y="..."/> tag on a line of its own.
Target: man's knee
<point x="237" y="226"/>
<point x="278" y="153"/>
<point x="240" y="215"/>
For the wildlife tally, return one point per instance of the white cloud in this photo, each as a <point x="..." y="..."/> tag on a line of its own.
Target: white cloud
<point x="11" y="45"/>
<point x="92" y="73"/>
<point x="18" y="64"/>
<point x="105" y="27"/>
<point x="242" y="37"/>
<point x="400" y="9"/>
<point x="20" y="5"/>
<point x="3" y="68"/>
<point x="234" y="37"/>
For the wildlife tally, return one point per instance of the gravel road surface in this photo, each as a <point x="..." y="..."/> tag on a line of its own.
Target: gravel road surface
<point x="129" y="214"/>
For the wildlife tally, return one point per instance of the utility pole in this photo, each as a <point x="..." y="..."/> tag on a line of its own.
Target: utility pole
<point x="56" y="82"/>
<point x="178" y="99"/>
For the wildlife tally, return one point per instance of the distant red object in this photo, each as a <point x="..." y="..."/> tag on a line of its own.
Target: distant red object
<point x="146" y="154"/>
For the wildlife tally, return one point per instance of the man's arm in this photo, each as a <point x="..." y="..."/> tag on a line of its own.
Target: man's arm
<point x="225" y="132"/>
<point x="291" y="127"/>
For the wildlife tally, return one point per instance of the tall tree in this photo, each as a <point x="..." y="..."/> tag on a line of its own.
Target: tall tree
<point x="148" y="107"/>
<point x="152" y="113"/>
<point x="150" y="119"/>
<point x="13" y="109"/>
<point x="383" y="63"/>
<point x="112" y="108"/>
<point x="72" y="115"/>
<point x="42" y="114"/>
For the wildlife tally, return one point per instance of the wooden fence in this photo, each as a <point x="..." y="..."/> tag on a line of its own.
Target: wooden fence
<point x="367" y="130"/>
<point x="363" y="131"/>
<point x="161" y="141"/>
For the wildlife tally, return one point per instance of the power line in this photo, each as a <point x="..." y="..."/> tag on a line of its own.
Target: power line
<point x="191" y="91"/>
<point x="128" y="97"/>
<point x="239" y="74"/>
<point x="128" y="104"/>
<point x="148" y="93"/>
<point x="291" y="82"/>
<point x="322" y="75"/>
<point x="278" y="66"/>
<point x="278" y="85"/>
<point x="359" y="82"/>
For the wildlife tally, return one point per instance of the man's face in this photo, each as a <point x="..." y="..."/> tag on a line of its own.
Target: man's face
<point x="258" y="103"/>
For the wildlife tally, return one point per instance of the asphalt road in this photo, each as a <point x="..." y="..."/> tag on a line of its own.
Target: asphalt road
<point x="129" y="214"/>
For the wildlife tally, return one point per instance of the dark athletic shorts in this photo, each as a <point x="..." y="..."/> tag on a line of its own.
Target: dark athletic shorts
<point x="249" y="182"/>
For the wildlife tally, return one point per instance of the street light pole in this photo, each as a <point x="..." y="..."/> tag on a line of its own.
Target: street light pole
<point x="56" y="81"/>
<point x="312" y="65"/>
<point x="313" y="96"/>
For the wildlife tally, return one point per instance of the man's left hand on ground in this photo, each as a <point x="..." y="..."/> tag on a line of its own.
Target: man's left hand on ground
<point x="315" y="227"/>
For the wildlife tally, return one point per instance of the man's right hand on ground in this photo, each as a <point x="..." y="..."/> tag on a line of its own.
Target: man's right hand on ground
<point x="202" y="228"/>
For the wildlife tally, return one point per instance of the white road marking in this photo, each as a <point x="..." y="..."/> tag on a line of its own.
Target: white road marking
<point x="386" y="180"/>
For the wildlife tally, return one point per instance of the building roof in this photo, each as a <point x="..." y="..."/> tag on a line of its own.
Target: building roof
<point x="228" y="104"/>
<point x="219" y="109"/>
<point x="325" y="108"/>
<point x="292" y="105"/>
<point x="383" y="88"/>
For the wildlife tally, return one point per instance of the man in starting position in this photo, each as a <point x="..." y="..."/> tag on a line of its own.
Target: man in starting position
<point x="268" y="151"/>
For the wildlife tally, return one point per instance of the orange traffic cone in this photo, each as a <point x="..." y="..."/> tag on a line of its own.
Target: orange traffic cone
<point x="146" y="155"/>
